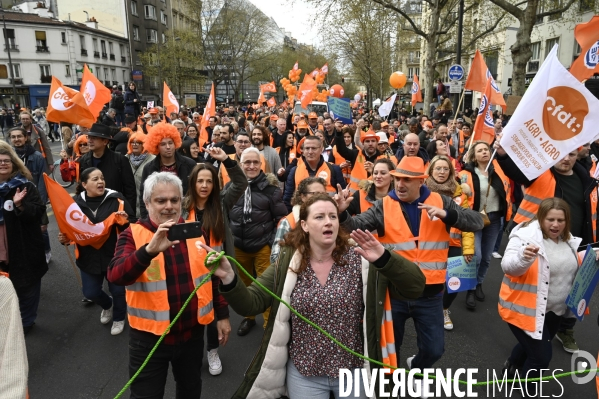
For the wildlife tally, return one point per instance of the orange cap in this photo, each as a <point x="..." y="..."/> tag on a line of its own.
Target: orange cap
<point x="301" y="124"/>
<point x="312" y="115"/>
<point x="370" y="135"/>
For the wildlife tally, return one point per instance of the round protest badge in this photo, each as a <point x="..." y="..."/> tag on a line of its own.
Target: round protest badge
<point x="323" y="174"/>
<point x="454" y="283"/>
<point x="9" y="205"/>
<point x="582" y="305"/>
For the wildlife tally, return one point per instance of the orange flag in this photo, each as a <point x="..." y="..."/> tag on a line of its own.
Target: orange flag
<point x="284" y="104"/>
<point x="209" y="111"/>
<point x="261" y="99"/>
<point x="295" y="66"/>
<point x="484" y="126"/>
<point x="272" y="102"/>
<point x="325" y="68"/>
<point x="67" y="105"/>
<point x="477" y="80"/>
<point x="416" y="93"/>
<point x="169" y="101"/>
<point x="306" y="90"/>
<point x="314" y="72"/>
<point x="587" y="36"/>
<point x="94" y="92"/>
<point x="268" y="87"/>
<point x="72" y="221"/>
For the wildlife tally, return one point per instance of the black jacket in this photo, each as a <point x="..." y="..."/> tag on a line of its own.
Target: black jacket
<point x="95" y="261"/>
<point x="184" y="167"/>
<point x="267" y="210"/>
<point x="496" y="183"/>
<point x="512" y="171"/>
<point x="421" y="153"/>
<point x="26" y="255"/>
<point x="132" y="107"/>
<point x="117" y="173"/>
<point x="108" y="121"/>
<point x="119" y="142"/>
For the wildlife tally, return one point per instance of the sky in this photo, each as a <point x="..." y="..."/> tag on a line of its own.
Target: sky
<point x="294" y="16"/>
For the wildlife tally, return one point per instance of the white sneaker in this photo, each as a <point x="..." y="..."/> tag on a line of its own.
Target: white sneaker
<point x="106" y="315"/>
<point x="117" y="327"/>
<point x="48" y="256"/>
<point x="447" y="324"/>
<point x="496" y="255"/>
<point x="409" y="361"/>
<point x="215" y="367"/>
<point x="419" y="387"/>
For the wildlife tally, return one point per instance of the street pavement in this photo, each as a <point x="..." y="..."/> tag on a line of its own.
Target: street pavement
<point x="72" y="355"/>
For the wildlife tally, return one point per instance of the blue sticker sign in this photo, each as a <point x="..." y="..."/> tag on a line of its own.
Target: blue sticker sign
<point x="461" y="276"/>
<point x="584" y="284"/>
<point x="456" y="72"/>
<point x="339" y="108"/>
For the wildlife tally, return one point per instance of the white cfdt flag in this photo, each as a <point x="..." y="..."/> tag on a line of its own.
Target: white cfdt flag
<point x="552" y="119"/>
<point x="387" y="106"/>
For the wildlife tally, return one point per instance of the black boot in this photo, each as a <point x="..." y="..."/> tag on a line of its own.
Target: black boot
<point x="470" y="302"/>
<point x="480" y="295"/>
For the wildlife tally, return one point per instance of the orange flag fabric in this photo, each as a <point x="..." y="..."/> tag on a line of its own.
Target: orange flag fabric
<point x="272" y="102"/>
<point x="261" y="99"/>
<point x="73" y="223"/>
<point x="306" y="90"/>
<point x="314" y="72"/>
<point x="295" y="66"/>
<point x="94" y="92"/>
<point x="416" y="93"/>
<point x="587" y="36"/>
<point x="67" y="105"/>
<point x="268" y="87"/>
<point x="209" y="111"/>
<point x="284" y="104"/>
<point x="477" y="80"/>
<point x="325" y="68"/>
<point x="484" y="126"/>
<point x="169" y="101"/>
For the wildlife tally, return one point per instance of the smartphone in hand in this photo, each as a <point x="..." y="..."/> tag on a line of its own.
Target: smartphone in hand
<point x="184" y="231"/>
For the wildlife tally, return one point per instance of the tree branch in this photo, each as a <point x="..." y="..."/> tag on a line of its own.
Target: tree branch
<point x="556" y="11"/>
<point x="512" y="9"/>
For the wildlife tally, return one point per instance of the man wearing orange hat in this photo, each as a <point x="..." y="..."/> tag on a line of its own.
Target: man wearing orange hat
<point x="302" y="130"/>
<point x="313" y="121"/>
<point x="273" y="123"/>
<point x="415" y="223"/>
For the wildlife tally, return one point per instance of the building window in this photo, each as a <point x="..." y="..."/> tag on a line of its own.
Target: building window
<point x="134" y="8"/>
<point x="103" y="47"/>
<point x="150" y="11"/>
<point x="40" y="41"/>
<point x="82" y="41"/>
<point x="492" y="61"/>
<point x="63" y="37"/>
<point x="125" y="76"/>
<point x="122" y="49"/>
<point x="151" y="36"/>
<point x="555" y="4"/>
<point x="10" y="35"/>
<point x="163" y="38"/>
<point x="16" y="70"/>
<point x="135" y="33"/>
<point x="46" y="76"/>
<point x="3" y="71"/>
<point x="154" y="82"/>
<point x="549" y="45"/>
<point x="163" y="17"/>
<point x="95" y="43"/>
<point x="113" y="74"/>
<point x="412" y="72"/>
<point x="106" y="74"/>
<point x="137" y="57"/>
<point x="67" y="70"/>
<point x="533" y="64"/>
<point x="540" y="9"/>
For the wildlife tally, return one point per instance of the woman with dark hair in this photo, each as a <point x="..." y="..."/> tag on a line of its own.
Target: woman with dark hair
<point x="439" y="147"/>
<point x="22" y="253"/>
<point x="98" y="203"/>
<point x="132" y="101"/>
<point x="192" y="133"/>
<point x="333" y="285"/>
<point x="190" y="149"/>
<point x="375" y="189"/>
<point x="287" y="154"/>
<point x="207" y="203"/>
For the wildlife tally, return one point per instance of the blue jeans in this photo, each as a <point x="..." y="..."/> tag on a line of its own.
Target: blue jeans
<point x="120" y="118"/>
<point x="300" y="387"/>
<point x="92" y="289"/>
<point x="484" y="241"/>
<point x="499" y="236"/>
<point x="427" y="313"/>
<point x="29" y="300"/>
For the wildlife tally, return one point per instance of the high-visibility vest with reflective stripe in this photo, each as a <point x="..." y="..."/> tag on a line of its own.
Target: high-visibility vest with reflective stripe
<point x="428" y="250"/>
<point x="338" y="161"/>
<point x="460" y="143"/>
<point x="358" y="172"/>
<point x="147" y="299"/>
<point x="290" y="219"/>
<point x="364" y="203"/>
<point x="324" y="172"/>
<point x="466" y="177"/>
<point x="225" y="175"/>
<point x="292" y="153"/>
<point x="518" y="298"/>
<point x="455" y="235"/>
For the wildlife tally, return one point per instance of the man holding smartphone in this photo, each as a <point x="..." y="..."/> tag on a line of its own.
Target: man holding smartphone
<point x="159" y="276"/>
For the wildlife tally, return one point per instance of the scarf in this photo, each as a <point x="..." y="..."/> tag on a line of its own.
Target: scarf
<point x="24" y="152"/>
<point x="6" y="187"/>
<point x="136" y="160"/>
<point x="447" y="188"/>
<point x="247" y="203"/>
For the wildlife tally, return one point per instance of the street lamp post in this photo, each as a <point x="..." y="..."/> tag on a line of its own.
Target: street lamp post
<point x="10" y="66"/>
<point x="456" y="100"/>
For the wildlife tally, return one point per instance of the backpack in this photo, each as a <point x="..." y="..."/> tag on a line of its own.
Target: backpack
<point x="68" y="171"/>
<point x="118" y="102"/>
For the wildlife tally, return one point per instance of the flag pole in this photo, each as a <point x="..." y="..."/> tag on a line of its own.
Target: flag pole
<point x="491" y="160"/>
<point x="455" y="115"/>
<point x="66" y="247"/>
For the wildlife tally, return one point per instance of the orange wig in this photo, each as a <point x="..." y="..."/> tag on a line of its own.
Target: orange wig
<point x="76" y="146"/>
<point x="136" y="136"/>
<point x="159" y="132"/>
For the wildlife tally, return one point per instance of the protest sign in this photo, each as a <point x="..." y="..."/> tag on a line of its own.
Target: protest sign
<point x="461" y="276"/>
<point x="584" y="284"/>
<point x="339" y="108"/>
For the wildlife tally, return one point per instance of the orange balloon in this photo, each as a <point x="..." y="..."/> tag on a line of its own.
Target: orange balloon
<point x="397" y="80"/>
<point x="336" y="91"/>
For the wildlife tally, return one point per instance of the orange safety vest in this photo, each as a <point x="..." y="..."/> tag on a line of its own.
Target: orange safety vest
<point x="364" y="203"/>
<point x="358" y="171"/>
<point x="460" y="144"/>
<point x="225" y="175"/>
<point x="455" y="235"/>
<point x="466" y="177"/>
<point x="148" y="308"/>
<point x="428" y="250"/>
<point x="290" y="219"/>
<point x="518" y="298"/>
<point x="338" y="161"/>
<point x="292" y="153"/>
<point x="324" y="172"/>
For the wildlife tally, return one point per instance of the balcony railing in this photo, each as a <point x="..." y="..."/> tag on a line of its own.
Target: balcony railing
<point x="112" y="57"/>
<point x="46" y="78"/>
<point x="96" y="54"/>
<point x="83" y="52"/>
<point x="18" y="81"/>
<point x="104" y="55"/>
<point x="12" y="47"/>
<point x="42" y="49"/>
<point x="115" y="83"/>
<point x="123" y="59"/>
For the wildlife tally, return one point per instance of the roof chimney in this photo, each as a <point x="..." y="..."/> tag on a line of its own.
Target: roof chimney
<point x="92" y="23"/>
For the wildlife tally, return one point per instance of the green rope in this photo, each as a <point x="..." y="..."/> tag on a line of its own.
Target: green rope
<point x="215" y="262"/>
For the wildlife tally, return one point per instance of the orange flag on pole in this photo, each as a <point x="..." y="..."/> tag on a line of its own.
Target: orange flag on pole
<point x="261" y="99"/>
<point x="272" y="102"/>
<point x="295" y="66"/>
<point x="67" y="105"/>
<point x="477" y="80"/>
<point x="209" y="110"/>
<point x="416" y="93"/>
<point x="484" y="127"/>
<point x="169" y="101"/>
<point x="94" y="92"/>
<point x="268" y="87"/>
<point x="73" y="223"/>
<point x="306" y="90"/>
<point x="314" y="72"/>
<point x="587" y="36"/>
<point x="325" y="68"/>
